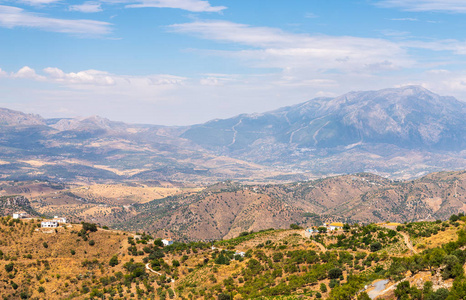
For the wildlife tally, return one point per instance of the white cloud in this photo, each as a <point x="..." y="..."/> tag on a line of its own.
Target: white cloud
<point x="273" y="48"/>
<point x="86" y="7"/>
<point x="455" y="46"/>
<point x="11" y="17"/>
<point x="39" y="2"/>
<point x="219" y="79"/>
<point x="84" y="77"/>
<point x="456" y="6"/>
<point x="189" y="5"/>
<point x="94" y="78"/>
<point x="171" y="100"/>
<point x="27" y="73"/>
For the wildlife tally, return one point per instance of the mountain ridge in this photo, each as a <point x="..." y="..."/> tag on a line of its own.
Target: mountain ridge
<point x="400" y="133"/>
<point x="374" y="116"/>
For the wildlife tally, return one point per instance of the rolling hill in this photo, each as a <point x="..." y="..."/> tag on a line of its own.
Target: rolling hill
<point x="226" y="209"/>
<point x="83" y="261"/>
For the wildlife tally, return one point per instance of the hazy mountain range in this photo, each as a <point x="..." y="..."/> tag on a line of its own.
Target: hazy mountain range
<point x="402" y="133"/>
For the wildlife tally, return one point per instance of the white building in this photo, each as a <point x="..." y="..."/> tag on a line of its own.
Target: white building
<point x="336" y="226"/>
<point x="20" y="215"/>
<point x="167" y="242"/>
<point x="49" y="224"/>
<point x="240" y="253"/>
<point x="59" y="220"/>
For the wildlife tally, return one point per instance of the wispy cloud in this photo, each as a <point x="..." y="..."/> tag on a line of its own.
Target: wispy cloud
<point x="95" y="78"/>
<point x="11" y="17"/>
<point x="86" y="7"/>
<point x="189" y="5"/>
<point x="405" y="19"/>
<point x="275" y="48"/>
<point x="310" y="15"/>
<point x="395" y="33"/>
<point x="38" y="2"/>
<point x="3" y="73"/>
<point x="455" y="6"/>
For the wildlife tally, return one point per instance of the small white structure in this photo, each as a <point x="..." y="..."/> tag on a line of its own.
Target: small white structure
<point x="167" y="242"/>
<point x="49" y="224"/>
<point x="240" y="253"/>
<point x="336" y="226"/>
<point x="20" y="215"/>
<point x="59" y="220"/>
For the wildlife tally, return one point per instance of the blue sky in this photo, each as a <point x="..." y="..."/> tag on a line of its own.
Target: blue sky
<point x="179" y="62"/>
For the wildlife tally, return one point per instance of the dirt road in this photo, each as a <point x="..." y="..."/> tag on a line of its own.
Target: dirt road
<point x="408" y="242"/>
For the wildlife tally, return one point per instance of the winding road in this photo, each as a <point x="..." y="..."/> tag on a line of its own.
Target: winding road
<point x="160" y="274"/>
<point x="408" y="242"/>
<point x="322" y="247"/>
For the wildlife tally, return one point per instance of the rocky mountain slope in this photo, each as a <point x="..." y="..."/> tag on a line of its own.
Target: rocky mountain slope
<point x="96" y="149"/>
<point x="350" y="133"/>
<point x="15" y="203"/>
<point x="409" y="117"/>
<point x="227" y="209"/>
<point x="16" y="118"/>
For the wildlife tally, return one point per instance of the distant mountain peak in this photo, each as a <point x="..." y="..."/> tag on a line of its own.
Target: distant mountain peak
<point x="410" y="117"/>
<point x="15" y="118"/>
<point x="88" y="123"/>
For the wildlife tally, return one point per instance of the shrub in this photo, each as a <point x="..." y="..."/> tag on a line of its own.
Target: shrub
<point x="295" y="226"/>
<point x="454" y="218"/>
<point x="45" y="244"/>
<point x="223" y="297"/>
<point x="158" y="242"/>
<point x="91" y="242"/>
<point x="364" y="296"/>
<point x="114" y="261"/>
<point x="89" y="227"/>
<point x="322" y="229"/>
<point x="335" y="273"/>
<point x="376" y="246"/>
<point x="333" y="283"/>
<point x="9" y="267"/>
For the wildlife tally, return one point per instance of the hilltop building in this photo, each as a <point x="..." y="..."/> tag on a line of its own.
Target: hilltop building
<point x="49" y="224"/>
<point x="20" y="215"/>
<point x="59" y="220"/>
<point x="167" y="242"/>
<point x="335" y="226"/>
<point x="54" y="223"/>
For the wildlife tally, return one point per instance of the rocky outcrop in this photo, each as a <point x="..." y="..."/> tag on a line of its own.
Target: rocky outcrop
<point x="10" y="201"/>
<point x="15" y="118"/>
<point x="11" y="204"/>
